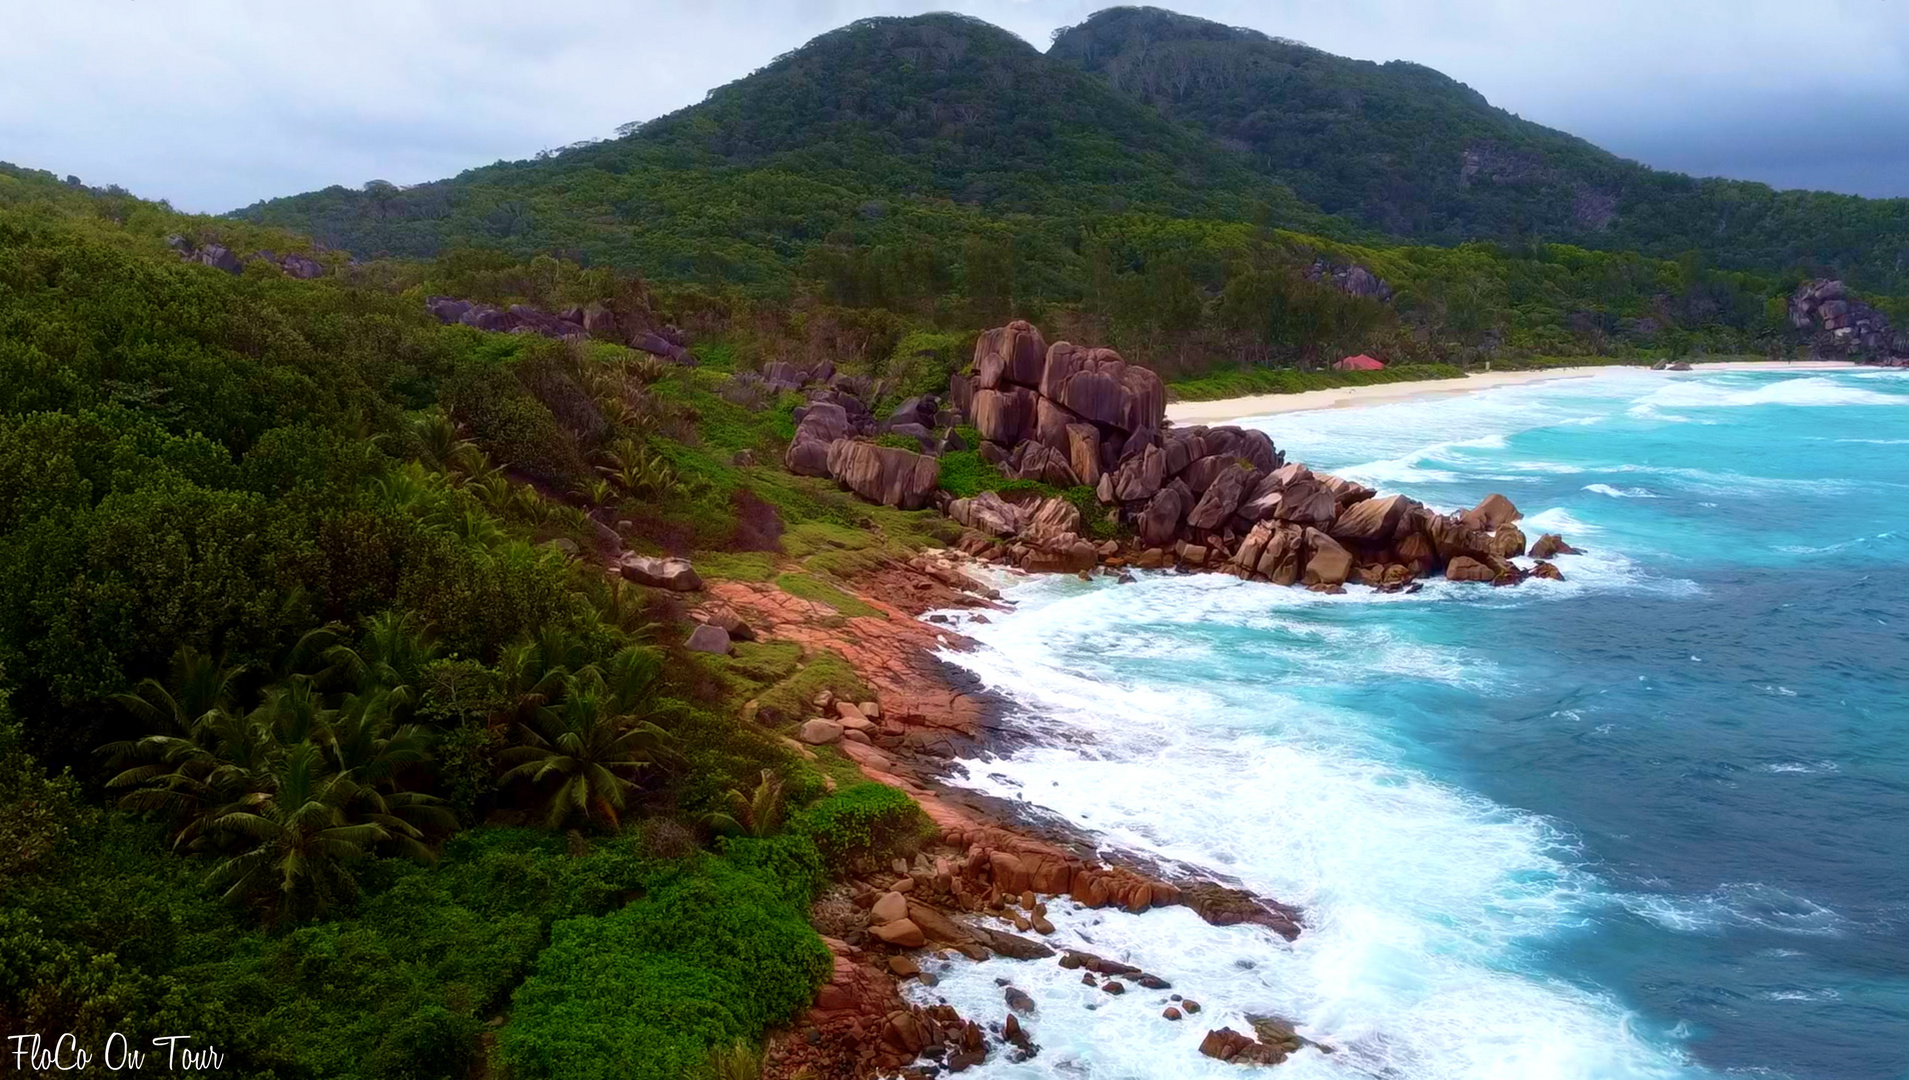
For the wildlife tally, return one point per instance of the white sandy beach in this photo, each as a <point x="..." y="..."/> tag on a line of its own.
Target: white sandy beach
<point x="1351" y="397"/>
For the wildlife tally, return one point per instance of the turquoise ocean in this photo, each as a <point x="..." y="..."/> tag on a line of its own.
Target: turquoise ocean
<point x="1650" y="821"/>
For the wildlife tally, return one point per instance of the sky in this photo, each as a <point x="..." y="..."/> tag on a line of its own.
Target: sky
<point x="215" y="104"/>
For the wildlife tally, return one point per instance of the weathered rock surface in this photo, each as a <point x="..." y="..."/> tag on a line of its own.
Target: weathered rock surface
<point x="673" y="574"/>
<point x="1377" y="521"/>
<point x="1327" y="563"/>
<point x="822" y="425"/>
<point x="885" y="474"/>
<point x="1507" y="541"/>
<point x="1466" y="568"/>
<point x="1222" y="496"/>
<point x="1550" y="546"/>
<point x="1492" y="511"/>
<point x="708" y="639"/>
<point x="902" y="933"/>
<point x="819" y="732"/>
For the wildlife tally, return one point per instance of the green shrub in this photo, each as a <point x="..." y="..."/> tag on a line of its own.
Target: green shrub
<point x="1093" y="515"/>
<point x="964" y="475"/>
<point x="712" y="955"/>
<point x="790" y="860"/>
<point x="860" y="825"/>
<point x="922" y="362"/>
<point x="513" y="427"/>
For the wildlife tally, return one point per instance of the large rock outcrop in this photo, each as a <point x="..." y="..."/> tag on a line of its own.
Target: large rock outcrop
<point x="1200" y="497"/>
<point x="1084" y="403"/>
<point x="885" y="474"/>
<point x="822" y="425"/>
<point x="1838" y="324"/>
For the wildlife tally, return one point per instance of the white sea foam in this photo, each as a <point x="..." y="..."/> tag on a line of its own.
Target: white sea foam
<point x="1735" y="905"/>
<point x="1558" y="520"/>
<point x="1798" y="994"/>
<point x="1824" y="549"/>
<point x="1726" y="393"/>
<point x="1804" y="767"/>
<point x="1418" y="895"/>
<point x="1645" y="410"/>
<point x="1622" y="493"/>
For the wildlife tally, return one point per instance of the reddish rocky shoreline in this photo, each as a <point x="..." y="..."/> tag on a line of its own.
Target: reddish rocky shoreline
<point x="987" y="860"/>
<point x="1195" y="499"/>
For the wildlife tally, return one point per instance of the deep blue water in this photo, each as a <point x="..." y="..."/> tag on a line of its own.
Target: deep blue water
<point x="1650" y="821"/>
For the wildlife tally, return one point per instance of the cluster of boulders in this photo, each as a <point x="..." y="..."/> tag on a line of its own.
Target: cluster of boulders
<point x="935" y="907"/>
<point x="860" y="1025"/>
<point x="1213" y="498"/>
<point x="832" y="437"/>
<point x="220" y="257"/>
<point x="1273" y="1041"/>
<point x="854" y="721"/>
<point x="1842" y="325"/>
<point x="573" y="323"/>
<point x="1221" y="498"/>
<point x="1387" y="543"/>
<point x="1062" y="414"/>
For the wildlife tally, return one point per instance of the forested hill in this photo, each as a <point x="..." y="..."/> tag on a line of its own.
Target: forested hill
<point x="1417" y="155"/>
<point x="907" y="133"/>
<point x="911" y="136"/>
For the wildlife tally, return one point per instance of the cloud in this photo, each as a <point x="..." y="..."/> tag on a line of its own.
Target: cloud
<point x="218" y="103"/>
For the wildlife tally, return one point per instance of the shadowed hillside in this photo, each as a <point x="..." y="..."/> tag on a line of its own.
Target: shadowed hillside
<point x="1406" y="150"/>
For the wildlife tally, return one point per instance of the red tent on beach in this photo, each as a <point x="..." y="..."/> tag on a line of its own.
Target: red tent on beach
<point x="1361" y="362"/>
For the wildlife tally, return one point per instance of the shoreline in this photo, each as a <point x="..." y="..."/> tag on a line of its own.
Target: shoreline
<point x="987" y="863"/>
<point x="1229" y="410"/>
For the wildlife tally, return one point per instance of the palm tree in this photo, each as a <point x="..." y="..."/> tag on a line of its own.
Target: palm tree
<point x="496" y="493"/>
<point x="295" y="789"/>
<point x="437" y="436"/>
<point x="758" y="814"/>
<point x="199" y="684"/>
<point x="617" y="605"/>
<point x="531" y="675"/>
<point x="297" y="838"/>
<point x="585" y="752"/>
<point x="176" y="767"/>
<point x="392" y="653"/>
<point x="471" y="462"/>
<point x="371" y="753"/>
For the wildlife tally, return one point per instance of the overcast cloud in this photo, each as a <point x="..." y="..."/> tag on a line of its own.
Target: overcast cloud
<point x="215" y="104"/>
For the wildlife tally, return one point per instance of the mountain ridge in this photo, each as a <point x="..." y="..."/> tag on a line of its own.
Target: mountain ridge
<point x="1407" y="150"/>
<point x="899" y="132"/>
